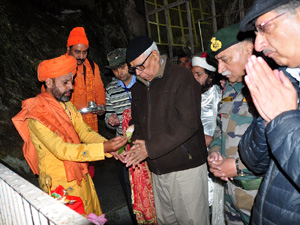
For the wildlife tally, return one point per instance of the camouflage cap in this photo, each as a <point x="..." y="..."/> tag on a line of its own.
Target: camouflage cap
<point x="116" y="58"/>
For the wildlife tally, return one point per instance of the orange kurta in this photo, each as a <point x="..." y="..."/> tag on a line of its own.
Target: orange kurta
<point x="88" y="88"/>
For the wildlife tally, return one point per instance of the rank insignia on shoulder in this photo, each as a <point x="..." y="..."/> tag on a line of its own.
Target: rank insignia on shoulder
<point x="227" y="99"/>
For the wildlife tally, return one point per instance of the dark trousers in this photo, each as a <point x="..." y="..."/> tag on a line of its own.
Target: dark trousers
<point x="125" y="183"/>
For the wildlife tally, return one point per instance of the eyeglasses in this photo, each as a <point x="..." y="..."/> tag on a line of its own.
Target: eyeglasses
<point x="261" y="28"/>
<point x="139" y="67"/>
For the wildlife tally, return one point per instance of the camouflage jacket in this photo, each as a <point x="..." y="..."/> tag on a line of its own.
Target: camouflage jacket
<point x="235" y="114"/>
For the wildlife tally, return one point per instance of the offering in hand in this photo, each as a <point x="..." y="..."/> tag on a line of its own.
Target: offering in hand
<point x="128" y="134"/>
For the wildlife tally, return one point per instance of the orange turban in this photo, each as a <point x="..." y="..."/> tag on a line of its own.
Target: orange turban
<point x="57" y="67"/>
<point x="77" y="36"/>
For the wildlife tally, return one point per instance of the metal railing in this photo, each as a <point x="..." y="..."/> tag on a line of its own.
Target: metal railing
<point x="22" y="203"/>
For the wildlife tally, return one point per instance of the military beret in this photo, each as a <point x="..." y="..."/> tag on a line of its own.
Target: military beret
<point x="225" y="38"/>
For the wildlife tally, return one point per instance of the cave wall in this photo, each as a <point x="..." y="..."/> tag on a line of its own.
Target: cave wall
<point x="34" y="30"/>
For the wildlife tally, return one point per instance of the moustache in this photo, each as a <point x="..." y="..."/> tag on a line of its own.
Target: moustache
<point x="226" y="73"/>
<point x="80" y="61"/>
<point x="68" y="92"/>
<point x="266" y="51"/>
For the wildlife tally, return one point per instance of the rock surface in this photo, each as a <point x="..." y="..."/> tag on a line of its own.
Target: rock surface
<point x="35" y="30"/>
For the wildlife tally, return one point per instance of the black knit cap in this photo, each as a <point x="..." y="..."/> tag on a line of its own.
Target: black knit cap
<point x="137" y="46"/>
<point x="258" y="8"/>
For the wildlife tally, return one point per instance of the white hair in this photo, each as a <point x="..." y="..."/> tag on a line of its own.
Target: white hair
<point x="291" y="6"/>
<point x="151" y="49"/>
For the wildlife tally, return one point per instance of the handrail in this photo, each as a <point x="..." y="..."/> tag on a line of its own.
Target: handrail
<point x="22" y="203"/>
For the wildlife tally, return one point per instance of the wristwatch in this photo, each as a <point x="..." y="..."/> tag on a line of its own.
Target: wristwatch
<point x="238" y="171"/>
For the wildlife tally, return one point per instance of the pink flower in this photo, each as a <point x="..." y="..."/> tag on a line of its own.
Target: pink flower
<point x="98" y="220"/>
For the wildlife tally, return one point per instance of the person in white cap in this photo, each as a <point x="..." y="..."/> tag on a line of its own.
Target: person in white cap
<point x="211" y="95"/>
<point x="201" y="69"/>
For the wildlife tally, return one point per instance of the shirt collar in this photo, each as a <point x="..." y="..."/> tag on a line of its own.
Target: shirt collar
<point x="237" y="86"/>
<point x="160" y="71"/>
<point x="132" y="82"/>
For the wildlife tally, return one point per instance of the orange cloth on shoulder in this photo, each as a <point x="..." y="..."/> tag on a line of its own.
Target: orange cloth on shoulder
<point x="47" y="110"/>
<point x="77" y="36"/>
<point x="57" y="67"/>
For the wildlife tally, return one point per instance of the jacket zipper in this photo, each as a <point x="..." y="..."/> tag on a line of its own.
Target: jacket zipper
<point x="148" y="125"/>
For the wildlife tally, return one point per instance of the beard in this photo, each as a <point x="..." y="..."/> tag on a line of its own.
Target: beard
<point x="61" y="97"/>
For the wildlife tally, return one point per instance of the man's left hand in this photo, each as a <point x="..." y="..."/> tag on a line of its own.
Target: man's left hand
<point x="136" y="154"/>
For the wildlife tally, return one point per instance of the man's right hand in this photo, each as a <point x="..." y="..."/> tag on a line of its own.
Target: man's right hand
<point x="114" y="144"/>
<point x="113" y="120"/>
<point x="215" y="160"/>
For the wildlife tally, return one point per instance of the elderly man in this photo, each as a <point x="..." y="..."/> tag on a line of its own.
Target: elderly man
<point x="271" y="145"/>
<point x="168" y="134"/>
<point x="236" y="111"/>
<point x="57" y="142"/>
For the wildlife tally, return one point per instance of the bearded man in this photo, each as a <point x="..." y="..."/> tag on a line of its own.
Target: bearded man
<point x="57" y="142"/>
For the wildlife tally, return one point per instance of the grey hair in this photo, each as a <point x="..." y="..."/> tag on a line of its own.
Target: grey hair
<point x="151" y="49"/>
<point x="291" y="6"/>
<point x="242" y="43"/>
<point x="249" y="39"/>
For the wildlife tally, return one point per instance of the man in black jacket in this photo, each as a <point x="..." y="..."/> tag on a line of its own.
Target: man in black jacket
<point x="166" y="105"/>
<point x="270" y="146"/>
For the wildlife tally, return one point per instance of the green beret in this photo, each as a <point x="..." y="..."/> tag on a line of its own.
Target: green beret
<point x="223" y="39"/>
<point x="226" y="37"/>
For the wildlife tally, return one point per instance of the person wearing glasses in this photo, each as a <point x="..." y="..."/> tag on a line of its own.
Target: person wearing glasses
<point x="232" y="48"/>
<point x="271" y="145"/>
<point x="168" y="134"/>
<point x="57" y="142"/>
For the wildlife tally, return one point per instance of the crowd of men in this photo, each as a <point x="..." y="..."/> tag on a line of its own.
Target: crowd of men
<point x="245" y="131"/>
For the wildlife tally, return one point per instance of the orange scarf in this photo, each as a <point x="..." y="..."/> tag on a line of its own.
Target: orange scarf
<point x="79" y="102"/>
<point x="47" y="110"/>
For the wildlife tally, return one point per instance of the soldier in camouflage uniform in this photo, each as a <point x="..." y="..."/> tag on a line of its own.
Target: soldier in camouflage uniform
<point x="235" y="114"/>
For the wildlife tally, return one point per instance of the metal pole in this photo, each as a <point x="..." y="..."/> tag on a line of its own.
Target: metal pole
<point x="168" y="29"/>
<point x="200" y="32"/>
<point x="147" y="19"/>
<point x="188" y="12"/>
<point x="242" y="9"/>
<point x="213" y="13"/>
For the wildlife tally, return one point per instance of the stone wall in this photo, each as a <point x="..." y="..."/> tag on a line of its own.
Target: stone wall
<point x="35" y="30"/>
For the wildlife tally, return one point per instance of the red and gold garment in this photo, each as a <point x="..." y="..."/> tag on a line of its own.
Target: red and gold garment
<point x="141" y="185"/>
